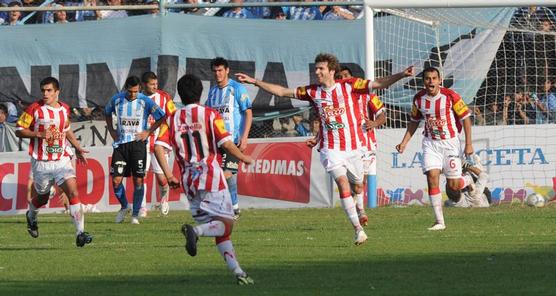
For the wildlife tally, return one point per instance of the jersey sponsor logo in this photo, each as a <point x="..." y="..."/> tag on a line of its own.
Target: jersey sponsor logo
<point x="25" y="120"/>
<point x="184" y="128"/>
<point x="460" y="108"/>
<point x="334" y="125"/>
<point x="53" y="137"/>
<point x="130" y="122"/>
<point x="435" y="122"/>
<point x="222" y="109"/>
<point x="330" y="111"/>
<point x="154" y="109"/>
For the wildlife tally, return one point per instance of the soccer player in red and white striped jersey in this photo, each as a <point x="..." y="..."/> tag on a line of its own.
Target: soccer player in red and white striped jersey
<point x="444" y="113"/>
<point x="372" y="110"/>
<point x="46" y="123"/>
<point x="196" y="133"/>
<point x="341" y="136"/>
<point x="165" y="102"/>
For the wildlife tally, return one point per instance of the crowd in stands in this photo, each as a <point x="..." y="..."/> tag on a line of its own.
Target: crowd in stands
<point x="279" y="13"/>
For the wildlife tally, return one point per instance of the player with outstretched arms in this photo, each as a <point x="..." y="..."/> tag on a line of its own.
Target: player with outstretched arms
<point x="196" y="134"/>
<point x="46" y="122"/>
<point x="444" y="113"/>
<point x="131" y="109"/>
<point x="165" y="102"/>
<point x="341" y="139"/>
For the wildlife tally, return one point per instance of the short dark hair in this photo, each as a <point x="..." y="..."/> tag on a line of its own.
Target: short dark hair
<point x="148" y="76"/>
<point x="219" y="61"/>
<point x="132" y="81"/>
<point x="190" y="89"/>
<point x="431" y="69"/>
<point x="454" y="195"/>
<point x="50" y="80"/>
<point x="4" y="108"/>
<point x="345" y="68"/>
<point x="332" y="60"/>
<point x="14" y="3"/>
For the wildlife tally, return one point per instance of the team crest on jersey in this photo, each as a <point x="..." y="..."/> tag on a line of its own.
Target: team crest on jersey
<point x="330" y="111"/>
<point x="460" y="108"/>
<point x="53" y="137"/>
<point x="244" y="97"/>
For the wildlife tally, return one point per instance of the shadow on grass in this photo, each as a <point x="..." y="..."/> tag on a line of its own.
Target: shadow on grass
<point x="520" y="273"/>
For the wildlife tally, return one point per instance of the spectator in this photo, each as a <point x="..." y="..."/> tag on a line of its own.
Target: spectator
<point x="315" y="126"/>
<point x="492" y="115"/>
<point x="86" y="15"/>
<point x="259" y="11"/>
<point x="238" y="12"/>
<point x="196" y="11"/>
<point x="305" y="13"/>
<point x="277" y="13"/>
<point x="12" y="115"/>
<point x="518" y="111"/>
<point x="4" y="14"/>
<point x="547" y="103"/>
<point x="109" y="14"/>
<point x="30" y="17"/>
<point x="338" y="13"/>
<point x="13" y="16"/>
<point x="155" y="10"/>
<point x="478" y="118"/>
<point x="300" y="127"/>
<point x="60" y="17"/>
<point x="3" y="132"/>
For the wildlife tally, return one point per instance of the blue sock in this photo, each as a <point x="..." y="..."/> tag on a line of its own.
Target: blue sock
<point x="232" y="187"/>
<point x="120" y="195"/>
<point x="137" y="199"/>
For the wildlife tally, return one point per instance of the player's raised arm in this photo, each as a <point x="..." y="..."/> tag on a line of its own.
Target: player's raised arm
<point x="385" y="82"/>
<point x="274" y="89"/>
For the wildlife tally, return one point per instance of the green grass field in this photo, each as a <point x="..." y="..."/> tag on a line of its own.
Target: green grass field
<point x="498" y="251"/>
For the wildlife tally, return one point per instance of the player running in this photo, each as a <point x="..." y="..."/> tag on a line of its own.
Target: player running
<point x="196" y="133"/>
<point x="46" y="123"/>
<point x="444" y="112"/>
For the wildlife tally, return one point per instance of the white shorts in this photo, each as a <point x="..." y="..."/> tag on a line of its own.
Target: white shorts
<point x="207" y="205"/>
<point x="46" y="173"/>
<point x="342" y="163"/>
<point x="152" y="163"/>
<point x="443" y="155"/>
<point x="369" y="162"/>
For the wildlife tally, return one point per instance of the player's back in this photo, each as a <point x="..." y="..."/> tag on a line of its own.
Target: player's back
<point x="196" y="132"/>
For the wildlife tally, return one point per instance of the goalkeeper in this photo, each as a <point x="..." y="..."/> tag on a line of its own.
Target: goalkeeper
<point x="476" y="195"/>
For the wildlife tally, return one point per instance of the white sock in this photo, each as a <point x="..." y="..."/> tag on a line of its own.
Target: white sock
<point x="212" y="228"/>
<point x="436" y="202"/>
<point x="226" y="249"/>
<point x="144" y="201"/>
<point x="349" y="208"/>
<point x="164" y="190"/>
<point x="76" y="213"/>
<point x="359" y="201"/>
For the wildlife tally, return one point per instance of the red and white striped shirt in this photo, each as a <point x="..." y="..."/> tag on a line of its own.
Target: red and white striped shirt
<point x="196" y="132"/>
<point x="339" y="111"/>
<point x="165" y="102"/>
<point x="55" y="122"/>
<point x="442" y="113"/>
<point x="371" y="106"/>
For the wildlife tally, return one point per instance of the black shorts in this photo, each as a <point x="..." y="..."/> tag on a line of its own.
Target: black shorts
<point x="229" y="162"/>
<point x="129" y="159"/>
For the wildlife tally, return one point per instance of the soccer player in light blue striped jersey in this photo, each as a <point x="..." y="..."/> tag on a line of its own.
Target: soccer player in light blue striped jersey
<point x="131" y="109"/>
<point x="231" y="100"/>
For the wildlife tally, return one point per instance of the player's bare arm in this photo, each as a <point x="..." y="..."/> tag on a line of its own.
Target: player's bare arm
<point x="468" y="150"/>
<point x="248" y="121"/>
<point x="385" y="82"/>
<point x="79" y="151"/>
<point x="27" y="133"/>
<point x="380" y="120"/>
<point x="159" y="153"/>
<point x="110" y="127"/>
<point x="411" y="128"/>
<point x="274" y="89"/>
<point x="144" y="135"/>
<point x="231" y="149"/>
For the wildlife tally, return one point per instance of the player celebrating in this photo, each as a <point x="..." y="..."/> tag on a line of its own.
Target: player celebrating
<point x="230" y="98"/>
<point x="196" y="133"/>
<point x="372" y="110"/>
<point x="164" y="101"/>
<point x="132" y="110"/>
<point x="443" y="111"/>
<point x="341" y="136"/>
<point x="46" y="123"/>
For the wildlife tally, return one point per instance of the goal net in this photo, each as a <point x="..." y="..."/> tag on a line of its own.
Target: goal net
<point x="502" y="62"/>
